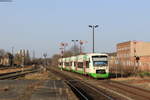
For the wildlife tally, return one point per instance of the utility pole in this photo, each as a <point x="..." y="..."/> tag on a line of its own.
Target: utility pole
<point x="45" y="55"/>
<point x="12" y="56"/>
<point x="62" y="48"/>
<point x="23" y="61"/>
<point x="62" y="52"/>
<point x="33" y="55"/>
<point x="93" y="28"/>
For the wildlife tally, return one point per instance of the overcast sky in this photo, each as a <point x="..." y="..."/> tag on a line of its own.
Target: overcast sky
<point x="41" y="25"/>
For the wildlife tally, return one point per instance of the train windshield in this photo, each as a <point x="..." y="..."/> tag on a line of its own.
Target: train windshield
<point x="99" y="61"/>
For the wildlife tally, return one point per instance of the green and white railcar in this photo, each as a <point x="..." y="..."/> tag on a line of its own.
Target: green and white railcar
<point x="94" y="64"/>
<point x="98" y="65"/>
<point x="73" y="60"/>
<point x="82" y="62"/>
<point x="61" y="63"/>
<point x="67" y="64"/>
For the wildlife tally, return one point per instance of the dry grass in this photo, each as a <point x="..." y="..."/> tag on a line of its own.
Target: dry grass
<point x="131" y="78"/>
<point x="37" y="76"/>
<point x="13" y="70"/>
<point x="136" y="81"/>
<point x="42" y="76"/>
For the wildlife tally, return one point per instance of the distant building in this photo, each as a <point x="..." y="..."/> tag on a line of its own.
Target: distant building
<point x="23" y="53"/>
<point x="113" y="61"/>
<point x="6" y="60"/>
<point x="22" y="57"/>
<point x="134" y="53"/>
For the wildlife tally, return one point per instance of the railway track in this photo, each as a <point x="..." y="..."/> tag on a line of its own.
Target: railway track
<point x="17" y="74"/>
<point x="120" y="90"/>
<point x="133" y="92"/>
<point x="127" y="91"/>
<point x="83" y="90"/>
<point x="89" y="92"/>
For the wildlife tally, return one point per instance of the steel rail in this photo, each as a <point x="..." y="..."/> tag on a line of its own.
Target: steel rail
<point x="124" y="87"/>
<point x="17" y="74"/>
<point x="3" y="68"/>
<point x="123" y="84"/>
<point x="97" y="90"/>
<point x="82" y="88"/>
<point x="77" y="90"/>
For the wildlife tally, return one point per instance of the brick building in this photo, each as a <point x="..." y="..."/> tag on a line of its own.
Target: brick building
<point x="112" y="61"/>
<point x="134" y="54"/>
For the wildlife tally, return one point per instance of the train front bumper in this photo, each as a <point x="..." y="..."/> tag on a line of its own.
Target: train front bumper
<point x="99" y="75"/>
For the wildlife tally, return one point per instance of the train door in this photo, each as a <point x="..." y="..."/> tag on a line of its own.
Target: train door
<point x="76" y="66"/>
<point x="70" y="65"/>
<point x="84" y="67"/>
<point x="87" y="67"/>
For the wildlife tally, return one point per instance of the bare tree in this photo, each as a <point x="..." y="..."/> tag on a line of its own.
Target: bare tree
<point x="75" y="50"/>
<point x="54" y="62"/>
<point x="2" y="52"/>
<point x="10" y="57"/>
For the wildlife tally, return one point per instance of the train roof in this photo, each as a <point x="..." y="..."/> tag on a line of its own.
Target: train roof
<point x="81" y="57"/>
<point x="94" y="54"/>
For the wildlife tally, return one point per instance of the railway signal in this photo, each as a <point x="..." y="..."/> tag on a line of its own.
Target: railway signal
<point x="63" y="48"/>
<point x="63" y="45"/>
<point x="81" y="42"/>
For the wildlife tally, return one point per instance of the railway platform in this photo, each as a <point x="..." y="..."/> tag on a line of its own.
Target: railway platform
<point x="35" y="90"/>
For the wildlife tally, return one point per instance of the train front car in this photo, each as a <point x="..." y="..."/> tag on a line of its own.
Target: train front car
<point x="99" y="65"/>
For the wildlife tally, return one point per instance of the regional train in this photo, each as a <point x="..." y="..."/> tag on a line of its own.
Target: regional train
<point x="92" y="64"/>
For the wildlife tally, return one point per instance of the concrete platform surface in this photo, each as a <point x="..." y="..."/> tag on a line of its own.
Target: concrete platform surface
<point x="34" y="90"/>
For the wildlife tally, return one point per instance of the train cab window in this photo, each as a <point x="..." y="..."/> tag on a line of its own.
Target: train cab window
<point x="80" y="64"/>
<point x="87" y="64"/>
<point x="100" y="63"/>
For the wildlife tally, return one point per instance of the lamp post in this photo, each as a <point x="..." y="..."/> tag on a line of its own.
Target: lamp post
<point x="12" y="57"/>
<point x="45" y="55"/>
<point x="74" y="41"/>
<point x="93" y="27"/>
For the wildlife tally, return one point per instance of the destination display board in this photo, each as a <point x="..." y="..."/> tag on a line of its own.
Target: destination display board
<point x="99" y="58"/>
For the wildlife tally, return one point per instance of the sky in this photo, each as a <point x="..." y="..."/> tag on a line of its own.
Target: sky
<point x="41" y="25"/>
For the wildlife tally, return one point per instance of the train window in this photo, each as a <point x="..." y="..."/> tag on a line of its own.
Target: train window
<point x="87" y="64"/>
<point x="80" y="64"/>
<point x="66" y="64"/>
<point x="70" y="63"/>
<point x="74" y="64"/>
